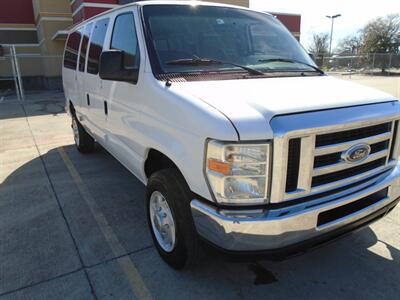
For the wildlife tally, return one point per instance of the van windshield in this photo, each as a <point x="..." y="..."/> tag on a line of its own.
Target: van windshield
<point x="181" y="38"/>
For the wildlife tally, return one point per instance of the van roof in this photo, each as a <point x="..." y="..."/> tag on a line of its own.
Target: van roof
<point x="179" y="2"/>
<point x="159" y="2"/>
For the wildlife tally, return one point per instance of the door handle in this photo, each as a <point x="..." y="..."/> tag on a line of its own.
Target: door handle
<point x="105" y="108"/>
<point x="88" y="99"/>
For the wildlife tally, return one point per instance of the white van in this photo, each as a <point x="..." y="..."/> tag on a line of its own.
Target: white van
<point x="241" y="140"/>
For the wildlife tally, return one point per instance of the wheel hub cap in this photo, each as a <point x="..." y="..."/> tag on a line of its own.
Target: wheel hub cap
<point x="162" y="221"/>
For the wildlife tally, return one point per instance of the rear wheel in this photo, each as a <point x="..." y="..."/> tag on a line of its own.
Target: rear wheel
<point x="170" y="218"/>
<point x="83" y="141"/>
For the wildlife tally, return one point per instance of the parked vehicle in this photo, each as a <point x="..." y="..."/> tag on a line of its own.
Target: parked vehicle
<point x="241" y="140"/>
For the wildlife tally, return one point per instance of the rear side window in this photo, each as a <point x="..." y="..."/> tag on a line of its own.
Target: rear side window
<point x="96" y="45"/>
<point x="84" y="46"/>
<point x="71" y="50"/>
<point x="124" y="38"/>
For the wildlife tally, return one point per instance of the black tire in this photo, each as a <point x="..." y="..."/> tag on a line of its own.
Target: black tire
<point x="83" y="141"/>
<point x="171" y="184"/>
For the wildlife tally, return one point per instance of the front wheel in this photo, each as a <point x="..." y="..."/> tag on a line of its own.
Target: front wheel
<point x="170" y="218"/>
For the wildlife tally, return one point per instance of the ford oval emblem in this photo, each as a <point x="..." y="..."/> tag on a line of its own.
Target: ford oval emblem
<point x="356" y="153"/>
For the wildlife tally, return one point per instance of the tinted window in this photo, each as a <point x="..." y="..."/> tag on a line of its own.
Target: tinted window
<point x="124" y="38"/>
<point x="96" y="45"/>
<point x="84" y="46"/>
<point x="71" y="50"/>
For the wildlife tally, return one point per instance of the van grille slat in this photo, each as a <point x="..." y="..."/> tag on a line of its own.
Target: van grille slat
<point x="395" y="129"/>
<point x="350" y="135"/>
<point x="327" y="178"/>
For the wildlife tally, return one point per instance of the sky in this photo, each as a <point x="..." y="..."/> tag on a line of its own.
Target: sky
<point x="355" y="14"/>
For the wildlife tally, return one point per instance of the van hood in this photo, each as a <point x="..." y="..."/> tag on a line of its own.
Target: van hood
<point x="250" y="104"/>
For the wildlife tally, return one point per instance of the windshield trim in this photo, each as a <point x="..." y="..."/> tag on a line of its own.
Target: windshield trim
<point x="155" y="67"/>
<point x="227" y="75"/>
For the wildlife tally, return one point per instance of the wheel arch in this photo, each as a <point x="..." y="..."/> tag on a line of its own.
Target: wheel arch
<point x="156" y="161"/>
<point x="71" y="108"/>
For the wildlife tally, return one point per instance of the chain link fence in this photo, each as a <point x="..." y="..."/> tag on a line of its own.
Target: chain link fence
<point x="373" y="63"/>
<point x="8" y="75"/>
<point x="23" y="70"/>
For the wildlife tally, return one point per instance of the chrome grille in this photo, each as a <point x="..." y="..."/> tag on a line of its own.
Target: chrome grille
<point x="333" y="144"/>
<point x="308" y="161"/>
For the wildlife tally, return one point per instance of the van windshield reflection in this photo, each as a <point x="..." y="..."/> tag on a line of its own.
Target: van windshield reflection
<point x="240" y="37"/>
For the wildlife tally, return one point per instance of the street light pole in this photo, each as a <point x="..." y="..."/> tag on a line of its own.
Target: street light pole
<point x="332" y="21"/>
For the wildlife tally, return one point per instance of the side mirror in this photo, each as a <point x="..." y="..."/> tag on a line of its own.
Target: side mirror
<point x="111" y="67"/>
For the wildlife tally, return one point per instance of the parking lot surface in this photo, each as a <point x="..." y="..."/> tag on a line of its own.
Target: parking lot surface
<point x="388" y="84"/>
<point x="73" y="226"/>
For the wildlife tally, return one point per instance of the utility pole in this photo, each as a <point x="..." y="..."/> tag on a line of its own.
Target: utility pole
<point x="332" y="21"/>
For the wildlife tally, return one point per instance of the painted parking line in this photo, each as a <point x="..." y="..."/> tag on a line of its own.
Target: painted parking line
<point x="132" y="274"/>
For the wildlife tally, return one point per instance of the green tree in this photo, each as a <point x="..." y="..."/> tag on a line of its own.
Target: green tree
<point x="319" y="46"/>
<point x="382" y="35"/>
<point x="351" y="43"/>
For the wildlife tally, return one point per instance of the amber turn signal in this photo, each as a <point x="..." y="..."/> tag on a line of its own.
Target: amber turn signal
<point x="219" y="166"/>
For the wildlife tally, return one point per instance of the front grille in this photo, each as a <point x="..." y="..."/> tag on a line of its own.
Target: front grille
<point x="329" y="167"/>
<point x="309" y="163"/>
<point x="312" y="152"/>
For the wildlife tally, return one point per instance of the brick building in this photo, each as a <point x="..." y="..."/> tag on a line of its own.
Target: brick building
<point x="38" y="29"/>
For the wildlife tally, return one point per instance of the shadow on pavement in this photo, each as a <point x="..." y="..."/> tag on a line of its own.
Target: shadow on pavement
<point x="36" y="104"/>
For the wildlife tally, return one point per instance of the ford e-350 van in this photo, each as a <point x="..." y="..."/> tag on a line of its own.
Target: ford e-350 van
<point x="241" y="140"/>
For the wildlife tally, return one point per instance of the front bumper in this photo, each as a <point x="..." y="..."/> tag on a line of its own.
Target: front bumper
<point x="274" y="229"/>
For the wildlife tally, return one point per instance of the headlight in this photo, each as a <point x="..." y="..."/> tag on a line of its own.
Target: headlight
<point x="238" y="173"/>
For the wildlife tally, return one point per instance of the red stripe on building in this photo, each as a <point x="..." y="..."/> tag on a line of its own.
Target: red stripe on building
<point x="292" y="22"/>
<point x="16" y="12"/>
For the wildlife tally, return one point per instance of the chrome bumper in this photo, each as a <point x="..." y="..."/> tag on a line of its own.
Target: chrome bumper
<point x="235" y="230"/>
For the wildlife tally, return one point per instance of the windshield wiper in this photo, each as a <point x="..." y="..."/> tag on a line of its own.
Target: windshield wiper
<point x="289" y="60"/>
<point x="207" y="62"/>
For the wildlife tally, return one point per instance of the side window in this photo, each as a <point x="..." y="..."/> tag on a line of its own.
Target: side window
<point x="71" y="50"/>
<point x="84" y="46"/>
<point x="96" y="45"/>
<point x="124" y="38"/>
